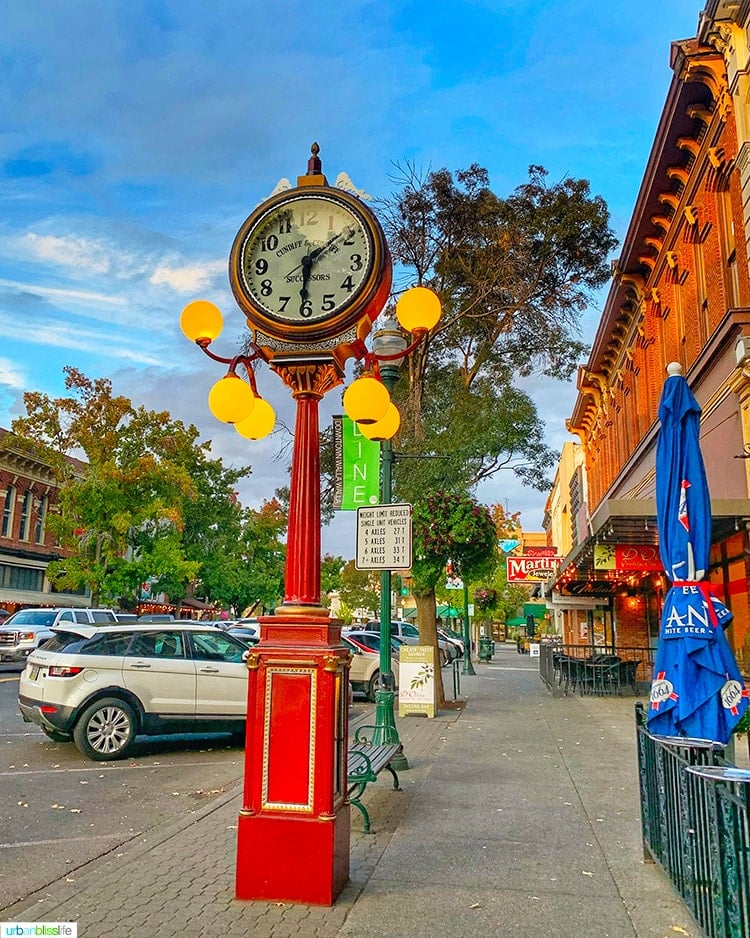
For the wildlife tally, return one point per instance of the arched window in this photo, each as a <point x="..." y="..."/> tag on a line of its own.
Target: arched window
<point x="10" y="501"/>
<point x="41" y="519"/>
<point x="28" y="498"/>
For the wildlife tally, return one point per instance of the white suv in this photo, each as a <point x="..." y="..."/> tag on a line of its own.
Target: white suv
<point x="26" y="629"/>
<point x="102" y="685"/>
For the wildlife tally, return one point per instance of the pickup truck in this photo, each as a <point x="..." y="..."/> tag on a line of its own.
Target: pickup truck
<point x="27" y="629"/>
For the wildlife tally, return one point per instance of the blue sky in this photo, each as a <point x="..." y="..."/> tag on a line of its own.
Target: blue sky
<point x="137" y="136"/>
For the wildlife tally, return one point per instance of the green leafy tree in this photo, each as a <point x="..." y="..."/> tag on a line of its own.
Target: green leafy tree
<point x="514" y="275"/>
<point x="359" y="588"/>
<point x="448" y="526"/>
<point x="265" y="553"/>
<point x="330" y="575"/>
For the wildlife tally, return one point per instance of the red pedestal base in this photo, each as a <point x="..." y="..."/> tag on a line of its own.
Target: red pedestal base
<point x="293" y="831"/>
<point x="292" y="859"/>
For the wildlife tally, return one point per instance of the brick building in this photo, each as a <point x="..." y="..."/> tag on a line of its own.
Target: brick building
<point x="680" y="292"/>
<point x="28" y="493"/>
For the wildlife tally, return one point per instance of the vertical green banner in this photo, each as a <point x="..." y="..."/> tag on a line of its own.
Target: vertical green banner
<point x="357" y="477"/>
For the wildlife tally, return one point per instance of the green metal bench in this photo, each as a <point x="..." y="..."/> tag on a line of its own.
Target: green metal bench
<point x="365" y="762"/>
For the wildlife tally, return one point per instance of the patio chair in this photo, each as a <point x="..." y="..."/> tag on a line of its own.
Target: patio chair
<point x="581" y="675"/>
<point x="628" y="674"/>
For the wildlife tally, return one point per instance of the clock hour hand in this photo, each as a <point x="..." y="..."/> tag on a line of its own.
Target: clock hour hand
<point x="306" y="266"/>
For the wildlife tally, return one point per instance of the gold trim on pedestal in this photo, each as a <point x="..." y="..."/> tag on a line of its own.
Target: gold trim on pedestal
<point x="299" y="807"/>
<point x="313" y="378"/>
<point x="306" y="612"/>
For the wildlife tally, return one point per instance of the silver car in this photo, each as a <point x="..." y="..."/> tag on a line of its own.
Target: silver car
<point x="101" y="686"/>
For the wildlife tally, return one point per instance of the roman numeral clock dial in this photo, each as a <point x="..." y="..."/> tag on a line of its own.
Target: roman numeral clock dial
<point x="307" y="262"/>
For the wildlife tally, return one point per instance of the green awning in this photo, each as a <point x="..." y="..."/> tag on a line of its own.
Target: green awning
<point x="519" y="620"/>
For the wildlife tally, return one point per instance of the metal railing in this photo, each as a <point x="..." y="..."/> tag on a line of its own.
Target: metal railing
<point x="581" y="669"/>
<point x="694" y="814"/>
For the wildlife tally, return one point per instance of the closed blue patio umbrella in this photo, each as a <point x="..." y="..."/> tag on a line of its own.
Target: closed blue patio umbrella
<point x="697" y="690"/>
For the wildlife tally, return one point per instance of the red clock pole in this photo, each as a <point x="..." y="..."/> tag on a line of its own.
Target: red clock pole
<point x="294" y="801"/>
<point x="294" y="804"/>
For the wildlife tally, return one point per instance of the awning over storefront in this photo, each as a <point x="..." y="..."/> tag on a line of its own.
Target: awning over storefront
<point x="632" y="521"/>
<point x="31" y="598"/>
<point x="195" y="604"/>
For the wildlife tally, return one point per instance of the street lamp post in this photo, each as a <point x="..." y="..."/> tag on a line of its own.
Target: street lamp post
<point x="468" y="667"/>
<point x="388" y="346"/>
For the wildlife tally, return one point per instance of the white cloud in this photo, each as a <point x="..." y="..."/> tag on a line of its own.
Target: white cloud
<point x="11" y="376"/>
<point x="81" y="296"/>
<point x="189" y="278"/>
<point x="73" y="336"/>
<point x="70" y="251"/>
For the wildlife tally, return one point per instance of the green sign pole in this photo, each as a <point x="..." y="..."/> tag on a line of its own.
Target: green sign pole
<point x="385" y="723"/>
<point x="468" y="667"/>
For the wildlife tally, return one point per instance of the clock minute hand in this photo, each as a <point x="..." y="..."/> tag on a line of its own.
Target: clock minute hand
<point x="318" y="251"/>
<point x="314" y="255"/>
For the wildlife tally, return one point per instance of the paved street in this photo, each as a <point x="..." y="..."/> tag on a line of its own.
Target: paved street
<point x="59" y="810"/>
<point x="519" y="817"/>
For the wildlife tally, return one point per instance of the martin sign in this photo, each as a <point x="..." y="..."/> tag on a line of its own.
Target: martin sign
<point x="527" y="568"/>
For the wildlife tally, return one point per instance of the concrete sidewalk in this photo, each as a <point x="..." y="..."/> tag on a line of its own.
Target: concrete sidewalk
<point x="519" y="817"/>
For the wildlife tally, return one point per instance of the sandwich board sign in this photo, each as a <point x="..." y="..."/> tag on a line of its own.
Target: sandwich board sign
<point x="416" y="680"/>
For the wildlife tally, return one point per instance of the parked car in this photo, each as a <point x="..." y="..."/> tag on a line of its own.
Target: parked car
<point x="225" y="624"/>
<point x="27" y="629"/>
<point x="371" y="641"/>
<point x="101" y="685"/>
<point x="245" y="633"/>
<point x="364" y="673"/>
<point x="454" y="638"/>
<point x="410" y="634"/>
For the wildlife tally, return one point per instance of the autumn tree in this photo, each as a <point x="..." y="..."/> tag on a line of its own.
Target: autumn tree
<point x="123" y="510"/>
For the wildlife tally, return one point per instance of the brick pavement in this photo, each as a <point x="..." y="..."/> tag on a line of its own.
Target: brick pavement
<point x="519" y="816"/>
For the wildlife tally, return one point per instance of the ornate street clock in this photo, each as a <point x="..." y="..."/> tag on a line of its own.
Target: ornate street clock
<point x="310" y="269"/>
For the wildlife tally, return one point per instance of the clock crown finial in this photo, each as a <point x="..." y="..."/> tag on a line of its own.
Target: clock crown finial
<point x="314" y="164"/>
<point x="314" y="175"/>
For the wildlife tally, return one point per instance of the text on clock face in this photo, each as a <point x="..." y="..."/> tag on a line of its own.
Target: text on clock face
<point x="335" y="253"/>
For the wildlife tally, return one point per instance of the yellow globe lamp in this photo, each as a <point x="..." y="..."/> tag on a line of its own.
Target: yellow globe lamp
<point x="366" y="400"/>
<point x="260" y="422"/>
<point x="201" y="321"/>
<point x="418" y="310"/>
<point x="385" y="428"/>
<point x="231" y="399"/>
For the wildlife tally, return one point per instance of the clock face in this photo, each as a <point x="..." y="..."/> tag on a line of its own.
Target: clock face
<point x="305" y="259"/>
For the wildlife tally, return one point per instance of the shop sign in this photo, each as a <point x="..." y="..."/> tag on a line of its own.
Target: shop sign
<point x="416" y="680"/>
<point x="527" y="568"/>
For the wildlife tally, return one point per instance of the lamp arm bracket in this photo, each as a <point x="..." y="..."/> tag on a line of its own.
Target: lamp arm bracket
<point x="419" y="456"/>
